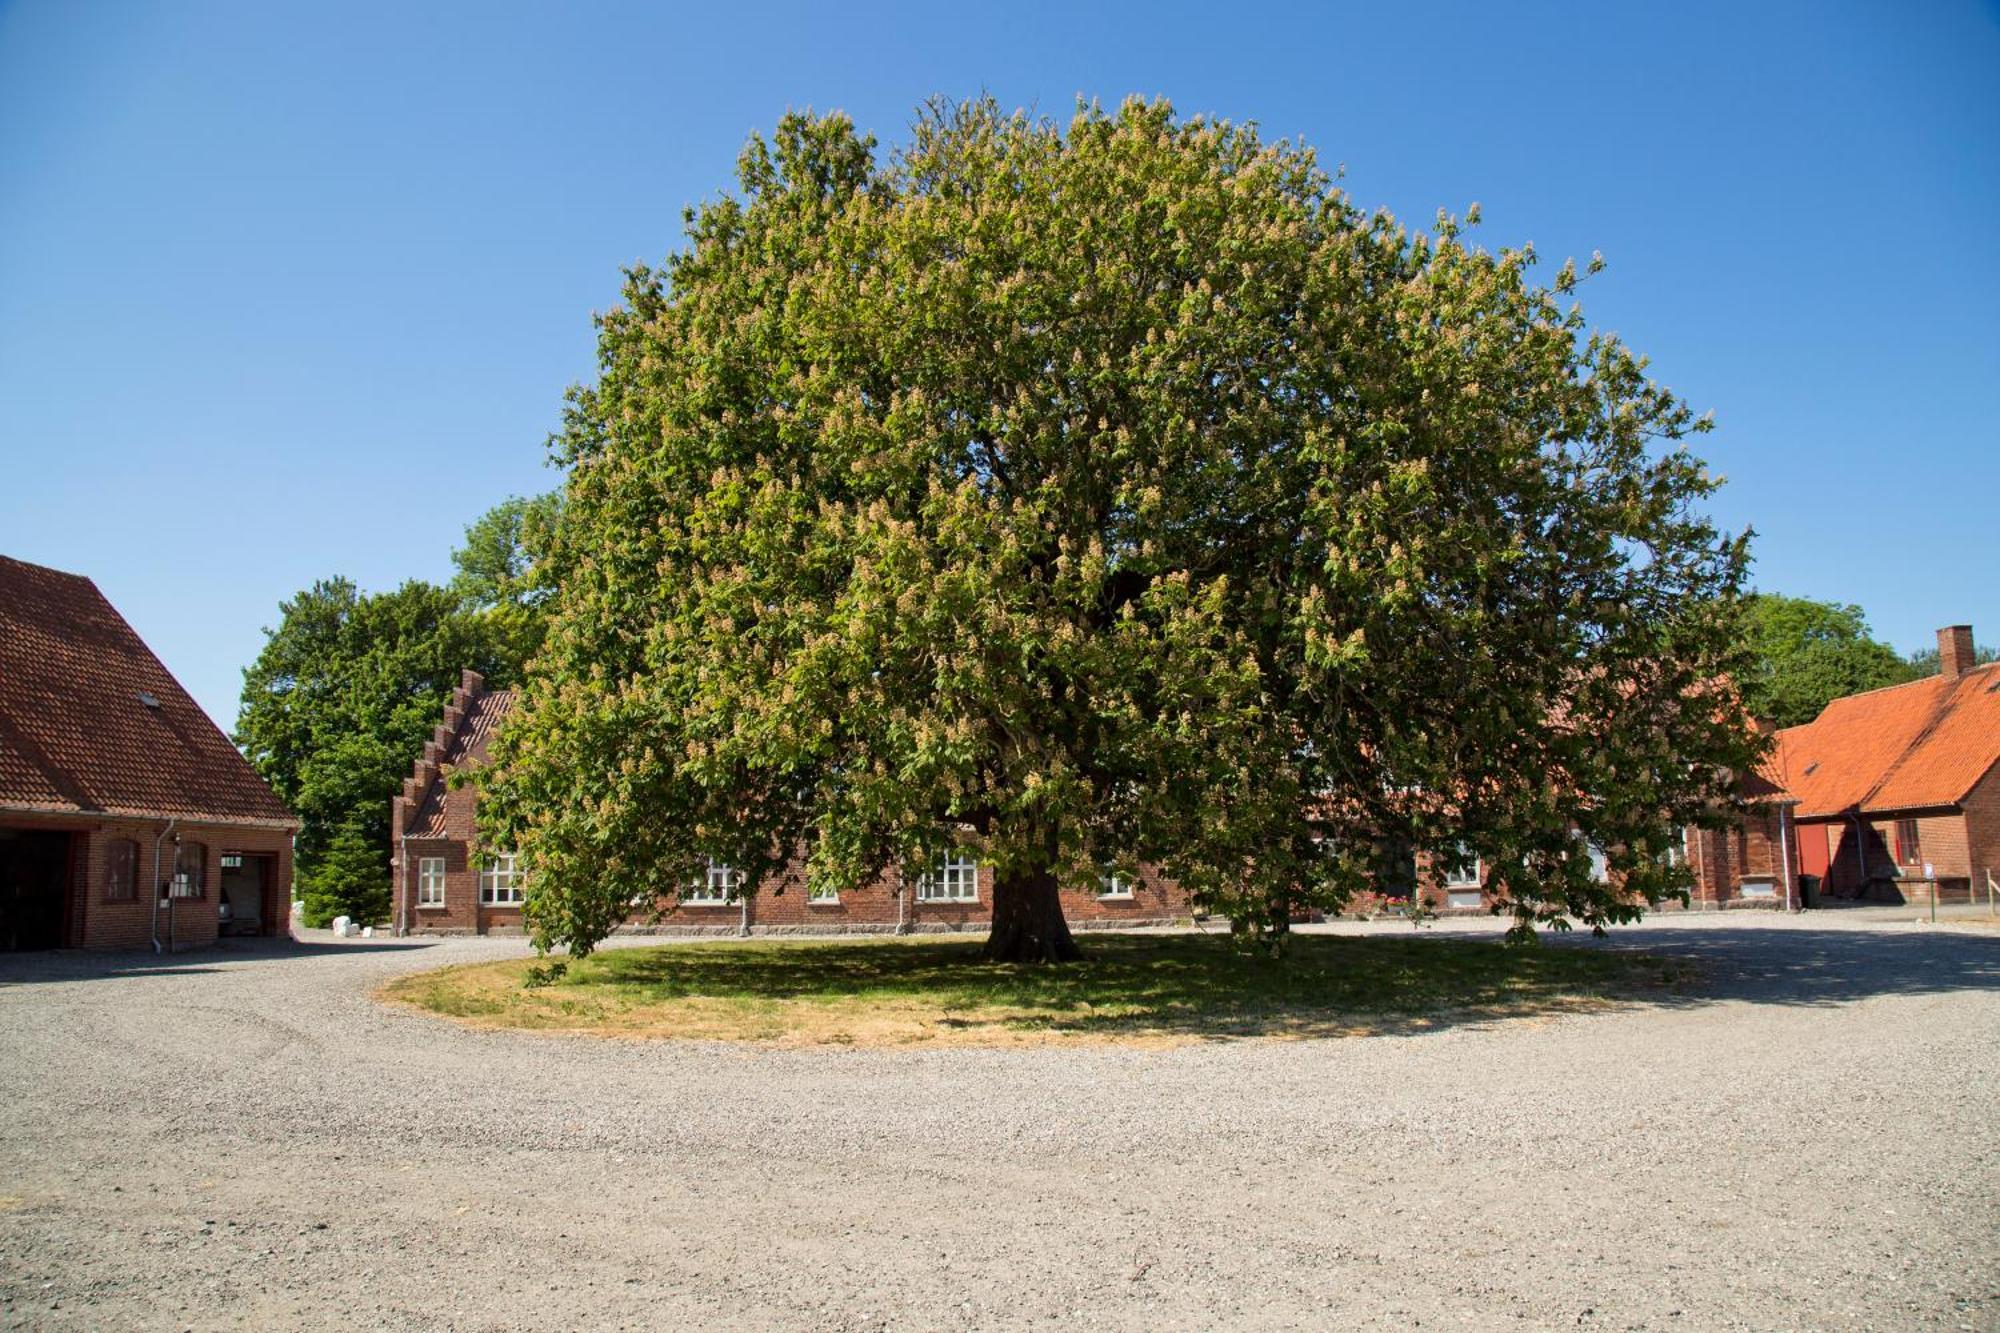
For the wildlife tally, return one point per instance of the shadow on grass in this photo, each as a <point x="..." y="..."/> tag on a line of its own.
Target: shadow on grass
<point x="1178" y="987"/>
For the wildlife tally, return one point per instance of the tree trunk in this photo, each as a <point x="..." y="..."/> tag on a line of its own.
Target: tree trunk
<point x="1028" y="924"/>
<point x="1278" y="927"/>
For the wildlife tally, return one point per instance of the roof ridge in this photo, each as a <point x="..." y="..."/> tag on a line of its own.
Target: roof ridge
<point x="1879" y="689"/>
<point x="47" y="569"/>
<point x="1884" y="689"/>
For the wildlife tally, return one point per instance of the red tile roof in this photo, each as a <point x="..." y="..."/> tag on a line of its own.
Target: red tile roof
<point x="482" y="711"/>
<point x="1908" y="747"/>
<point x="77" y="734"/>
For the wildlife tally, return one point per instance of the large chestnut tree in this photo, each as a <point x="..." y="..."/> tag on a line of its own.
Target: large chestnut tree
<point x="1111" y="493"/>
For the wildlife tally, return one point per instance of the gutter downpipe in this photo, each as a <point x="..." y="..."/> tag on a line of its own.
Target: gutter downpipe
<point x="403" y="884"/>
<point x="1785" y="847"/>
<point x="1860" y="854"/>
<point x="156" y="879"/>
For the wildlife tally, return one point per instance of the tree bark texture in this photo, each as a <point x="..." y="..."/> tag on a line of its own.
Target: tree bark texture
<point x="1028" y="924"/>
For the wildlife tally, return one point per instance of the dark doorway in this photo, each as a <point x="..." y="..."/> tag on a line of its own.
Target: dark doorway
<point x="245" y="905"/>
<point x="34" y="888"/>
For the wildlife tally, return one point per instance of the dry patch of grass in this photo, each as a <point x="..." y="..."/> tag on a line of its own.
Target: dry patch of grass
<point x="1147" y="989"/>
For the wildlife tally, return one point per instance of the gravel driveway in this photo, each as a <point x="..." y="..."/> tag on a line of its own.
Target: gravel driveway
<point x="241" y="1138"/>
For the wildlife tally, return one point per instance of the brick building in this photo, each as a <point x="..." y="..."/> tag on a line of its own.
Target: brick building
<point x="1897" y="791"/>
<point x="126" y="817"/>
<point x="1747" y="865"/>
<point x="446" y="884"/>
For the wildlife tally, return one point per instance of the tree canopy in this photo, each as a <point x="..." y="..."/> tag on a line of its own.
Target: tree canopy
<point x="1804" y="654"/>
<point x="1111" y="493"/>
<point x="499" y="570"/>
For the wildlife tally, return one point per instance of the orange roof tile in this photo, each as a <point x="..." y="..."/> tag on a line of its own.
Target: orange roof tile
<point x="92" y="723"/>
<point x="1907" y="747"/>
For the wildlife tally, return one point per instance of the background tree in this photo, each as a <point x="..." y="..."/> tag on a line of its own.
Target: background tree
<point x="1111" y="493"/>
<point x="1805" y="654"/>
<point x="498" y="570"/>
<point x="1925" y="662"/>
<point x="348" y="877"/>
<point x="349" y="686"/>
<point x="335" y="709"/>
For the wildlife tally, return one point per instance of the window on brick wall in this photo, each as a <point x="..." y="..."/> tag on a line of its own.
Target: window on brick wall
<point x="1114" y="885"/>
<point x="1460" y="869"/>
<point x="1600" y="865"/>
<point x="1909" y="849"/>
<point x="718" y="885"/>
<point x="956" y="880"/>
<point x="190" y="871"/>
<point x="500" y="881"/>
<point x="430" y="881"/>
<point x="822" y="893"/>
<point x="1676" y="854"/>
<point x="121" y="870"/>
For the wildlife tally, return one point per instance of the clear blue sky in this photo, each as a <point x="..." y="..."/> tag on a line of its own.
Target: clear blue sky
<point x="289" y="291"/>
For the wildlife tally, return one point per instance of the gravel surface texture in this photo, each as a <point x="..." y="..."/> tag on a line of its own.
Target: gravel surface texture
<point x="243" y="1138"/>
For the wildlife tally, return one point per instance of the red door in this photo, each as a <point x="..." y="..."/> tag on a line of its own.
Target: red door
<point x="1814" y="854"/>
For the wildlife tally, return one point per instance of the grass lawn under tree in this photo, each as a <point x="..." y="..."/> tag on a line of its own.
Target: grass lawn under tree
<point x="930" y="989"/>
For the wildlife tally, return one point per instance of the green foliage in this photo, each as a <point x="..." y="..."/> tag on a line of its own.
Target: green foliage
<point x="347" y="878"/>
<point x="541" y="975"/>
<point x="499" y="570"/>
<point x="1119" y="492"/>
<point x="1805" y="654"/>
<point x="334" y="711"/>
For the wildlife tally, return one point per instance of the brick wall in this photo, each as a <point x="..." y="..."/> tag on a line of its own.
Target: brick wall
<point x="1750" y="854"/>
<point x="780" y="904"/>
<point x="1719" y="861"/>
<point x="1944" y="839"/>
<point x="185" y="922"/>
<point x="97" y="920"/>
<point x="1982" y="832"/>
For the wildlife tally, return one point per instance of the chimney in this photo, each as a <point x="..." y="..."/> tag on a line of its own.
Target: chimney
<point x="1955" y="651"/>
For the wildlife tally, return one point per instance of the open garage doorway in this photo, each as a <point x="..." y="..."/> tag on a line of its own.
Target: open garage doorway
<point x="247" y="882"/>
<point x="34" y="888"/>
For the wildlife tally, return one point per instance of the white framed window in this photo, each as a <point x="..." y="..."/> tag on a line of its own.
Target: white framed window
<point x="430" y="881"/>
<point x="823" y="895"/>
<point x="717" y="886"/>
<point x="956" y="880"/>
<point x="1461" y="870"/>
<point x="1600" y="864"/>
<point x="1677" y="849"/>
<point x="1114" y="885"/>
<point x="500" y="882"/>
